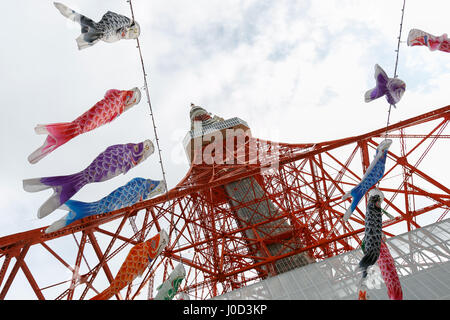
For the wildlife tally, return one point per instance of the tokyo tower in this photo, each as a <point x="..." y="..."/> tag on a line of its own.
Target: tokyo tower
<point x="246" y="210"/>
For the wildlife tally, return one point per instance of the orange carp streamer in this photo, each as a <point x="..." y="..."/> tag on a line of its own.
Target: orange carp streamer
<point x="362" y="295"/>
<point x="135" y="263"/>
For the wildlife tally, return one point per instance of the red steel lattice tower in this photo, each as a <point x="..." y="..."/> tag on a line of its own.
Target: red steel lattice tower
<point x="246" y="210"/>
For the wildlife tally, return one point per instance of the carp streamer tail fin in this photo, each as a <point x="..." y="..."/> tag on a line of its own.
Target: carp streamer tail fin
<point x="64" y="188"/>
<point x="104" y="295"/>
<point x="356" y="193"/>
<point x="57" y="135"/>
<point x="89" y="32"/>
<point x="77" y="210"/>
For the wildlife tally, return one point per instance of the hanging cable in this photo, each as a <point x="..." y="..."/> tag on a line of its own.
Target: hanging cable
<point x="395" y="76"/>
<point x="153" y="120"/>
<point x="396" y="62"/>
<point x="149" y="103"/>
<point x="399" y="37"/>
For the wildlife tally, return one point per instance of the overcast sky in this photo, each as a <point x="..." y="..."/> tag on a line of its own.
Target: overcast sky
<point x="295" y="70"/>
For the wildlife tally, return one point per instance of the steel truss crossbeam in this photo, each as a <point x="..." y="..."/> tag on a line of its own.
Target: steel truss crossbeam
<point x="305" y="186"/>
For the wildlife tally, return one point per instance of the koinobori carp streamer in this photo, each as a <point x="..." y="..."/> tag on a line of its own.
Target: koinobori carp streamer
<point x="115" y="160"/>
<point x="114" y="103"/>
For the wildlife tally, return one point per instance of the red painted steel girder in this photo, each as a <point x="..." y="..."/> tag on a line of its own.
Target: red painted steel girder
<point x="305" y="184"/>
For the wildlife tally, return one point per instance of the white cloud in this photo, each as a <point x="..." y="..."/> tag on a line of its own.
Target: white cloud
<point x="296" y="71"/>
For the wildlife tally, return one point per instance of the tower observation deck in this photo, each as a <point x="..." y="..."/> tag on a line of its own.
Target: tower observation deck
<point x="248" y="200"/>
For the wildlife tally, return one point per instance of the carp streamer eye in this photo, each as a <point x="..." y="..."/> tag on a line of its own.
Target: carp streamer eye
<point x="136" y="148"/>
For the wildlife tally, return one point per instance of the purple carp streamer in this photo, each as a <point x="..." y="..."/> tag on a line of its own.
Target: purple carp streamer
<point x="111" y="28"/>
<point x="115" y="160"/>
<point x="392" y="88"/>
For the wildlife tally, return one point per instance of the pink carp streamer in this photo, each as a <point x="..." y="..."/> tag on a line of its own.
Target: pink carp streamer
<point x="114" y="103"/>
<point x="418" y="37"/>
<point x="389" y="273"/>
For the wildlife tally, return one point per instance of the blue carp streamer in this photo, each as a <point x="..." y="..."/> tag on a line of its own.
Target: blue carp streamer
<point x="373" y="174"/>
<point x="137" y="189"/>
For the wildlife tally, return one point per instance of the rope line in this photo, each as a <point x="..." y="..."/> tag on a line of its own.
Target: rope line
<point x="149" y="103"/>
<point x="399" y="37"/>
<point x="154" y="128"/>
<point x="395" y="76"/>
<point x="396" y="61"/>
